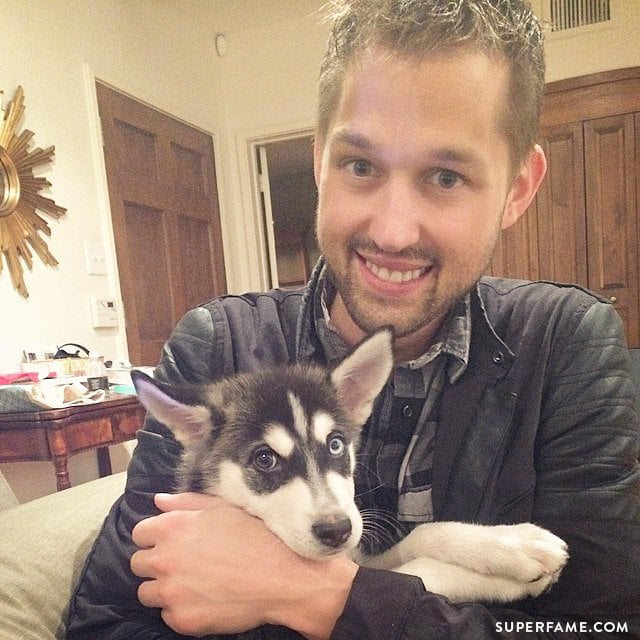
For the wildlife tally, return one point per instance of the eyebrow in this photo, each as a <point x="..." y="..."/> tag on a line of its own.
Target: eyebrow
<point x="345" y="136"/>
<point x="440" y="154"/>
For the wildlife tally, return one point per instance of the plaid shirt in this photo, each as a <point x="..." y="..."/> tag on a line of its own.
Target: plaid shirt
<point x="395" y="457"/>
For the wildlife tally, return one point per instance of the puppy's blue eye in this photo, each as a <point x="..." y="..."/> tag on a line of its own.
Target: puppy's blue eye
<point x="265" y="459"/>
<point x="336" y="445"/>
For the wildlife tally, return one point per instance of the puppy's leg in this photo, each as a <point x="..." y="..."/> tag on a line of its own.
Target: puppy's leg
<point x="460" y="584"/>
<point x="523" y="552"/>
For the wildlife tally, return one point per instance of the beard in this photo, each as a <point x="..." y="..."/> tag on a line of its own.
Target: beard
<point x="426" y="306"/>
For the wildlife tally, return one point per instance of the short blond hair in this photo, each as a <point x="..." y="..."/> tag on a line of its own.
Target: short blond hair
<point x="506" y="29"/>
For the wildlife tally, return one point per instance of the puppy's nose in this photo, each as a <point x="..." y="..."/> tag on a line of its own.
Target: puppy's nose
<point x="332" y="531"/>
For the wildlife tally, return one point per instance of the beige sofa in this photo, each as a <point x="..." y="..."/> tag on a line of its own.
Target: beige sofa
<point x="43" y="545"/>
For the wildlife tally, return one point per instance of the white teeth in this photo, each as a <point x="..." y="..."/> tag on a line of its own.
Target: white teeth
<point x="394" y="276"/>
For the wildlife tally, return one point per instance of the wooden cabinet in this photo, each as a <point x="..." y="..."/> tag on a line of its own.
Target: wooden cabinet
<point x="560" y="207"/>
<point x="583" y="224"/>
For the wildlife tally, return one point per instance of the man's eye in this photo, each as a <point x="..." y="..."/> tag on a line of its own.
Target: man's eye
<point x="360" y="168"/>
<point x="446" y="179"/>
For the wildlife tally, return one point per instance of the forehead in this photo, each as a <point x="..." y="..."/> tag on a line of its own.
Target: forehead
<point x="305" y="430"/>
<point x="453" y="102"/>
<point x="301" y="399"/>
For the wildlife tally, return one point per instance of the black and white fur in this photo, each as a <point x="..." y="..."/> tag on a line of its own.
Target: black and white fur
<point x="281" y="444"/>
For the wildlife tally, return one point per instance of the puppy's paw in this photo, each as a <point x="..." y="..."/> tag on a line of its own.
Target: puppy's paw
<point x="528" y="554"/>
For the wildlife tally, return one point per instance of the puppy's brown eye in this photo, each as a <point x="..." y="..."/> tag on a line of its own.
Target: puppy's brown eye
<point x="265" y="459"/>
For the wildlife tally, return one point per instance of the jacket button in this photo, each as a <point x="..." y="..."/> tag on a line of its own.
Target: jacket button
<point x="498" y="357"/>
<point x="407" y="411"/>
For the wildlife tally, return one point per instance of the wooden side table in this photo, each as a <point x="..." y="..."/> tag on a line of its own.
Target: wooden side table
<point x="55" y="434"/>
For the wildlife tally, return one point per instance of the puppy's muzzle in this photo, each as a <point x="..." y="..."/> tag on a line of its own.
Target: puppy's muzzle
<point x="332" y="531"/>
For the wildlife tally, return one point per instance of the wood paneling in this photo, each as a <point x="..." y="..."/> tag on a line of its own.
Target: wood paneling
<point x="583" y="224"/>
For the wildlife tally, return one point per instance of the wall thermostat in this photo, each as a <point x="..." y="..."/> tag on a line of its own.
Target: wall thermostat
<point x="104" y="312"/>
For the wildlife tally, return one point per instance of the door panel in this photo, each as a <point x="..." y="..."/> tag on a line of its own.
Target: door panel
<point x="561" y="207"/>
<point x="193" y="234"/>
<point x="145" y="232"/>
<point x="611" y="215"/>
<point x="165" y="214"/>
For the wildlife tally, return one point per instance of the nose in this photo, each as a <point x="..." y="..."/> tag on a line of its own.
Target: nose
<point x="395" y="223"/>
<point x="333" y="530"/>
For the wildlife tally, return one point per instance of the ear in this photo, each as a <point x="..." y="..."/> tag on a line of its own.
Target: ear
<point x="188" y="422"/>
<point x="524" y="187"/>
<point x="360" y="377"/>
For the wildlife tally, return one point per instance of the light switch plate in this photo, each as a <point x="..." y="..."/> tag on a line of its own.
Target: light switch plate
<point x="95" y="259"/>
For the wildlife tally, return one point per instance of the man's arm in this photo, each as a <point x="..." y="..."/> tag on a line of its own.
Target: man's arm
<point x="588" y="492"/>
<point x="215" y="569"/>
<point x="105" y="603"/>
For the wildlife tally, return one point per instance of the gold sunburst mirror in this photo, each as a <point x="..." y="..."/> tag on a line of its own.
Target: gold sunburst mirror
<point x="21" y="224"/>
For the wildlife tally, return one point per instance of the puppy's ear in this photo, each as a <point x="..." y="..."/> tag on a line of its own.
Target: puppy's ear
<point x="181" y="409"/>
<point x="360" y="377"/>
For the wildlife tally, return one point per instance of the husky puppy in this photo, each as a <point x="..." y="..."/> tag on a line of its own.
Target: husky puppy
<point x="281" y="443"/>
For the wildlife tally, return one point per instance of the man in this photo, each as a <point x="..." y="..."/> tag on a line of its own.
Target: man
<point x="510" y="402"/>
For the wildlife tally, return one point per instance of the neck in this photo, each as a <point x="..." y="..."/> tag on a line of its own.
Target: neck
<point x="405" y="348"/>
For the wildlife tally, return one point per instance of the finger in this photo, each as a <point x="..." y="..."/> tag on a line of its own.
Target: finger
<point x="185" y="501"/>
<point x="141" y="565"/>
<point x="145" y="533"/>
<point x="149" y="594"/>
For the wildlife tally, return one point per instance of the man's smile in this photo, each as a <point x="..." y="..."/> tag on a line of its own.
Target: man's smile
<point x="395" y="276"/>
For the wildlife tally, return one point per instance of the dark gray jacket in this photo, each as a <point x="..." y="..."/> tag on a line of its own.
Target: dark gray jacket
<point x="542" y="427"/>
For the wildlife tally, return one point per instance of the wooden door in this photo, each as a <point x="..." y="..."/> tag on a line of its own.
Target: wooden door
<point x="560" y="201"/>
<point x="166" y="222"/>
<point x="516" y="252"/>
<point x="612" y="232"/>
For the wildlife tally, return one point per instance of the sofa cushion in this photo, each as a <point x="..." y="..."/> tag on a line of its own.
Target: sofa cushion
<point x="43" y="545"/>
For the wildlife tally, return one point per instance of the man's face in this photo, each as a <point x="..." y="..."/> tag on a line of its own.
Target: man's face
<point x="414" y="186"/>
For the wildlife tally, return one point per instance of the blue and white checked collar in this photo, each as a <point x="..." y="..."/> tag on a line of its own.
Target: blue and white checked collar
<point x="453" y="339"/>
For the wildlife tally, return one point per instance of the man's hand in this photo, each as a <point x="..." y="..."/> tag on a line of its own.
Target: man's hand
<point x="213" y="568"/>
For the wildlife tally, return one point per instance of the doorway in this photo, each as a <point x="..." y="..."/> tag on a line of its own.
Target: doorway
<point x="288" y="199"/>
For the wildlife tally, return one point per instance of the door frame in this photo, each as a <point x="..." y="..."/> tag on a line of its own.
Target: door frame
<point x="247" y="144"/>
<point x="104" y="206"/>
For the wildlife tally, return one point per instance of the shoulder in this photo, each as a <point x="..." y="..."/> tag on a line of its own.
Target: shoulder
<point x="509" y="291"/>
<point x="276" y="301"/>
<point x="234" y="333"/>
<point x="524" y="313"/>
<point x="512" y="300"/>
<point x="235" y="312"/>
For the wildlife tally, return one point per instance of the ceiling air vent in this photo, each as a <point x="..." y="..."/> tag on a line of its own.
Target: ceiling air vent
<point x="571" y="14"/>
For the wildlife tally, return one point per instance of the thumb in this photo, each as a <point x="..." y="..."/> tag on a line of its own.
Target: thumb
<point x="185" y="501"/>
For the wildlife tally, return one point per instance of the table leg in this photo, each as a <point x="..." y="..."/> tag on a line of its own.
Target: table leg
<point x="104" y="462"/>
<point x="60" y="457"/>
<point x="62" y="472"/>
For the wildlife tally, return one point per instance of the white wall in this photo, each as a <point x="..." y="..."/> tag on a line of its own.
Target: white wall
<point x="163" y="52"/>
<point x="577" y="52"/>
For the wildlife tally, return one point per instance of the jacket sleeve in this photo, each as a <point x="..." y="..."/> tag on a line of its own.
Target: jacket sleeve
<point x="105" y="603"/>
<point x="588" y="492"/>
